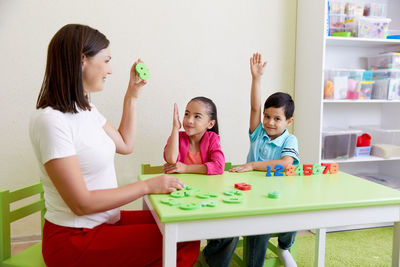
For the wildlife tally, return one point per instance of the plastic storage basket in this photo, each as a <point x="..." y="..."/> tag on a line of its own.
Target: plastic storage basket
<point x="339" y="143"/>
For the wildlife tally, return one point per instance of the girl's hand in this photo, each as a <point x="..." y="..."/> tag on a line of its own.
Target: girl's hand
<point x="135" y="83"/>
<point x="176" y="122"/>
<point x="163" y="184"/>
<point x="247" y="167"/>
<point x="178" y="167"/>
<point x="257" y="67"/>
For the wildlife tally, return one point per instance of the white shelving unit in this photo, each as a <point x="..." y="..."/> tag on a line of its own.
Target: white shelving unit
<point x="315" y="51"/>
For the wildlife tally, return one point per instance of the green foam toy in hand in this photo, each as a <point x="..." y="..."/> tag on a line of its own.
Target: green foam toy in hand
<point x="141" y="69"/>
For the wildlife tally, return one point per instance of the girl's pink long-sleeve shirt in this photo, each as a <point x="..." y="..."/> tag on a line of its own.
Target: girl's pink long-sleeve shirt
<point x="210" y="151"/>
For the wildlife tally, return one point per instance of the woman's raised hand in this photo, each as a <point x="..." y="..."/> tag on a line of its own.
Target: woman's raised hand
<point x="163" y="184"/>
<point x="135" y="83"/>
<point x="176" y="122"/>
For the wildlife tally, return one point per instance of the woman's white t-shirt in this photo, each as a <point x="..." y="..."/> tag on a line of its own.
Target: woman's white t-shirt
<point x="58" y="135"/>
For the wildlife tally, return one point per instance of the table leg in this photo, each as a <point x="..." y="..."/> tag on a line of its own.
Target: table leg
<point x="320" y="238"/>
<point x="144" y="204"/>
<point x="169" y="245"/>
<point x="396" y="245"/>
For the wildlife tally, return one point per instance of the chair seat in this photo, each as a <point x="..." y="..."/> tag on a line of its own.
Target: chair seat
<point x="31" y="257"/>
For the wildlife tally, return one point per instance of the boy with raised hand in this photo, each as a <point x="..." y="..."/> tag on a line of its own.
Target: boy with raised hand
<point x="270" y="144"/>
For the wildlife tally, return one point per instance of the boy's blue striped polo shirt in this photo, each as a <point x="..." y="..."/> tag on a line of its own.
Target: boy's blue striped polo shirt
<point x="263" y="149"/>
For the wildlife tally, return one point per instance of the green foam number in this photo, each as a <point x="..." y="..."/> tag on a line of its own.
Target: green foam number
<point x="203" y="196"/>
<point x="233" y="192"/>
<point x="170" y="201"/>
<point x="233" y="200"/>
<point x="190" y="206"/>
<point x="317" y="169"/>
<point x="274" y="194"/>
<point x="177" y="194"/>
<point x="299" y="170"/>
<point x="211" y="203"/>
<point x="141" y="69"/>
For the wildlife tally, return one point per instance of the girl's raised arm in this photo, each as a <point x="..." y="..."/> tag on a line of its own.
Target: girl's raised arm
<point x="171" y="150"/>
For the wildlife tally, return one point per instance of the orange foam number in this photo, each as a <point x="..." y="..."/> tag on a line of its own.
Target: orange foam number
<point x="326" y="165"/>
<point x="289" y="171"/>
<point x="307" y="169"/>
<point x="333" y="168"/>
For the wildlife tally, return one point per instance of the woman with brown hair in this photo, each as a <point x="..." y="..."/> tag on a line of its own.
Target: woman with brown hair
<point x="75" y="147"/>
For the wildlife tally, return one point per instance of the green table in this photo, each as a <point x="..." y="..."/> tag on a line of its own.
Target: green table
<point x="305" y="202"/>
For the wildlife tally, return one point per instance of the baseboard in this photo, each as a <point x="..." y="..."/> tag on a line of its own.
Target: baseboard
<point x="26" y="238"/>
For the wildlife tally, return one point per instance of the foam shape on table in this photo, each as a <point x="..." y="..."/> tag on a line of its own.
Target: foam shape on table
<point x="190" y="206"/>
<point x="233" y="200"/>
<point x="274" y="194"/>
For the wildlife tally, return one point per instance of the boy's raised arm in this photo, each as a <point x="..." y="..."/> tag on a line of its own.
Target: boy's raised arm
<point x="257" y="68"/>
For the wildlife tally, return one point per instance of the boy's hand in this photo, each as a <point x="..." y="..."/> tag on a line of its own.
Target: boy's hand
<point x="257" y="67"/>
<point x="178" y="167"/>
<point x="176" y="122"/>
<point x="247" y="167"/>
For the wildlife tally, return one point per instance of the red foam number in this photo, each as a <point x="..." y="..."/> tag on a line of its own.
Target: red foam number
<point x="326" y="169"/>
<point x="307" y="169"/>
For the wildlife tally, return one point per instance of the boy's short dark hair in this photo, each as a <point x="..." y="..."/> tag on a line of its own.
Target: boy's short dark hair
<point x="278" y="100"/>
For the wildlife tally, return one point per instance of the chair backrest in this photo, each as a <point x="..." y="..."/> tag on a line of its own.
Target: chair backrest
<point x="148" y="169"/>
<point x="8" y="216"/>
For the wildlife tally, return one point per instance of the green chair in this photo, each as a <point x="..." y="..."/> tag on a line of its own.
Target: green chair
<point x="31" y="257"/>
<point x="148" y="169"/>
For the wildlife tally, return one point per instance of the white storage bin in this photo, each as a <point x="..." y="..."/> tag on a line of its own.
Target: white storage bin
<point x="339" y="81"/>
<point x="354" y="9"/>
<point x="384" y="61"/>
<point x="375" y="9"/>
<point x="379" y="135"/>
<point x="336" y="23"/>
<point x="336" y="7"/>
<point x="339" y="143"/>
<point x="373" y="27"/>
<point x="387" y="84"/>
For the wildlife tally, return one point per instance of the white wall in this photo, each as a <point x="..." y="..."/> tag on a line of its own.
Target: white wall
<point x="192" y="48"/>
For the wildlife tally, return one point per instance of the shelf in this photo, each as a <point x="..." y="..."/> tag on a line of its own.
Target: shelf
<point x="360" y="42"/>
<point x="358" y="159"/>
<point x="370" y="101"/>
